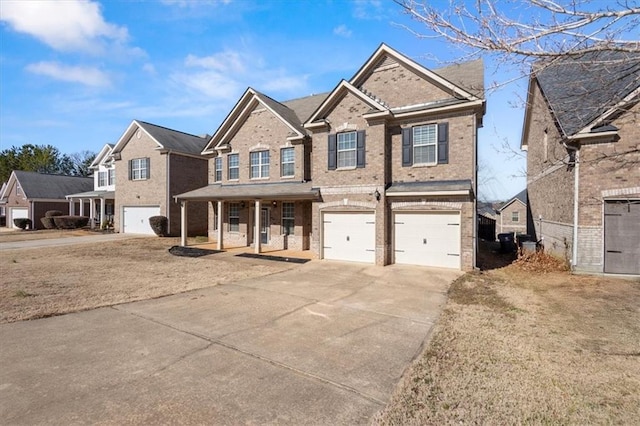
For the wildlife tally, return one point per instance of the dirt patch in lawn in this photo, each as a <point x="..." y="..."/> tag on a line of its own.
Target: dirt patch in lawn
<point x="515" y="346"/>
<point x="51" y="281"/>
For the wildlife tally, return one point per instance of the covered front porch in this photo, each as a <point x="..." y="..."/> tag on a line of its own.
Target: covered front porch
<point x="270" y="217"/>
<point x="101" y="206"/>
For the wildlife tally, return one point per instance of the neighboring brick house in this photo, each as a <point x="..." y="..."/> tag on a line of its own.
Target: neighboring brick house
<point x="380" y="170"/>
<point x="153" y="164"/>
<point x="582" y="137"/>
<point x="512" y="216"/>
<point x="30" y="195"/>
<point x="101" y="199"/>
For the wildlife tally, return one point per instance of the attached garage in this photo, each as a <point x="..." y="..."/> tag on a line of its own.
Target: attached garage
<point x="17" y="213"/>
<point x="349" y="236"/>
<point x="135" y="220"/>
<point x="427" y="239"/>
<point x="622" y="237"/>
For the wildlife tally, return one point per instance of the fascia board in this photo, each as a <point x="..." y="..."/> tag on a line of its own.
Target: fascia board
<point x="466" y="105"/>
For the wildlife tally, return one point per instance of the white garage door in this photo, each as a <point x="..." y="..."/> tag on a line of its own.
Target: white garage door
<point x="136" y="219"/>
<point x="349" y="236"/>
<point x="429" y="239"/>
<point x="17" y="213"/>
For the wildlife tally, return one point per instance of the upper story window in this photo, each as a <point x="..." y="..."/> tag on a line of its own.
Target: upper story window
<point x="288" y="158"/>
<point x="233" y="166"/>
<point x="259" y="164"/>
<point x="102" y="178"/>
<point x="112" y="176"/>
<point x="139" y="169"/>
<point x="217" y="177"/>
<point x="19" y="189"/>
<point x="515" y="216"/>
<point x="426" y="144"/>
<point x="347" y="150"/>
<point x="288" y="218"/>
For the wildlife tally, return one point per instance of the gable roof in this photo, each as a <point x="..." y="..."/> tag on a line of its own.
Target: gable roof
<point x="44" y="186"/>
<point x="579" y="90"/>
<point x="102" y="156"/>
<point x="520" y="196"/>
<point x="166" y="139"/>
<point x="468" y="75"/>
<point x="291" y="113"/>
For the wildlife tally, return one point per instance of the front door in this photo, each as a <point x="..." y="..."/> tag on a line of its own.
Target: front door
<point x="264" y="226"/>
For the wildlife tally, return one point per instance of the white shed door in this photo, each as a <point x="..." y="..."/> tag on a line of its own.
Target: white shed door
<point x="349" y="236"/>
<point x="428" y="239"/>
<point x="136" y="219"/>
<point x="17" y="213"/>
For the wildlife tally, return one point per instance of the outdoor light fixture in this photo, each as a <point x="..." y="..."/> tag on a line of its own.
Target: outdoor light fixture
<point x="242" y="204"/>
<point x="275" y="204"/>
<point x="377" y="195"/>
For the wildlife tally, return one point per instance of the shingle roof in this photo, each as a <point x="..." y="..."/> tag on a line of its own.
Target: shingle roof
<point x="175" y="140"/>
<point x="432" y="185"/>
<point x="579" y="90"/>
<point x="279" y="190"/>
<point x="521" y="196"/>
<point x="40" y="185"/>
<point x="467" y="75"/>
<point x="304" y="107"/>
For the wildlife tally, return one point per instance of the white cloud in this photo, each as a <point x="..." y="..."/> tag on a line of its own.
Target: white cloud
<point x="342" y="31"/>
<point x="368" y="9"/>
<point x="226" y="61"/>
<point x="211" y="84"/>
<point x="74" y="74"/>
<point x="284" y="83"/>
<point x="149" y="68"/>
<point x="63" y="25"/>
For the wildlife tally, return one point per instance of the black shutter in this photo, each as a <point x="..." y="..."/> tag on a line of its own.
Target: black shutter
<point x="407" y="147"/>
<point x="333" y="152"/>
<point x="360" y="151"/>
<point x="148" y="166"/>
<point x="443" y="143"/>
<point x="130" y="167"/>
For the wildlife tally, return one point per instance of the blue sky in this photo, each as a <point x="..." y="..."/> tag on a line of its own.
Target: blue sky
<point x="74" y="74"/>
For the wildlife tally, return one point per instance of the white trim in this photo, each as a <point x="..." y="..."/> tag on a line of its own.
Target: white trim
<point x="428" y="193"/>
<point x="621" y="191"/>
<point x="444" y="205"/>
<point x="465" y="105"/>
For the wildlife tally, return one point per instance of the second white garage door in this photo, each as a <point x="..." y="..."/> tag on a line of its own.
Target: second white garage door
<point x="136" y="219"/>
<point x="428" y="239"/>
<point x="349" y="236"/>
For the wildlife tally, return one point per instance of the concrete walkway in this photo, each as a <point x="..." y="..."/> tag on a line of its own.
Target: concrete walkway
<point x="67" y="241"/>
<point x="324" y="343"/>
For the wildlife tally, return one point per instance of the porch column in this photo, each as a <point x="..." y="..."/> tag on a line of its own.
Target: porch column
<point x="72" y="207"/>
<point x="92" y="212"/>
<point x="102" y="211"/>
<point x="219" y="224"/>
<point x="183" y="224"/>
<point x="256" y="233"/>
<point x="81" y="207"/>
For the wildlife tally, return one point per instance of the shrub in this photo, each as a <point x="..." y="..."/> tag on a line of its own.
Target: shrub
<point x="70" y="222"/>
<point x="48" y="223"/>
<point x="160" y="225"/>
<point x="53" y="213"/>
<point x="22" y="223"/>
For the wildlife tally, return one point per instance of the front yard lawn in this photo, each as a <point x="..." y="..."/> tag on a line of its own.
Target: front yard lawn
<point x="514" y="346"/>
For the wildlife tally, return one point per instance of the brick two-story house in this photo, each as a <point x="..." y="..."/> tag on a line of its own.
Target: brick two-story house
<point x="582" y="137"/>
<point x="380" y="170"/>
<point x="153" y="164"/>
<point x="512" y="215"/>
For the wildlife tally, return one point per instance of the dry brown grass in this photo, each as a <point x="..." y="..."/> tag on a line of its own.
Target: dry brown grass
<point x="515" y="346"/>
<point x="9" y="236"/>
<point x="50" y="281"/>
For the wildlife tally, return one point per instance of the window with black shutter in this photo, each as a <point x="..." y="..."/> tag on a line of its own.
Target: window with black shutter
<point x="425" y="144"/>
<point x="346" y="150"/>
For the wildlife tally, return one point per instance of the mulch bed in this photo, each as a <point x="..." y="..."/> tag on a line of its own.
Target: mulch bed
<point x="276" y="258"/>
<point x="191" y="251"/>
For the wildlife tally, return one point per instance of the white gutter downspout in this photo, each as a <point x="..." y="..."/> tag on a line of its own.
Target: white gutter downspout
<point x="168" y="198"/>
<point x="576" y="180"/>
<point x="475" y="190"/>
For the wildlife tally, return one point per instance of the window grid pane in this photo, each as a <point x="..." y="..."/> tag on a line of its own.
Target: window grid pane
<point x="425" y="144"/>
<point x="234" y="217"/>
<point x="259" y="164"/>
<point x="112" y="177"/>
<point x="234" y="166"/>
<point x="288" y="216"/>
<point x="138" y="169"/>
<point x="218" y="169"/>
<point x="347" y="149"/>
<point x="288" y="161"/>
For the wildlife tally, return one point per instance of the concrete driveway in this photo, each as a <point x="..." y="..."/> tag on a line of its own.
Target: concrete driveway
<point x="324" y="343"/>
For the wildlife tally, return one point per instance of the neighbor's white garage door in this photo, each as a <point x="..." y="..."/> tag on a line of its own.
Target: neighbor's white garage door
<point x="136" y="219"/>
<point x="429" y="239"/>
<point x="17" y="213"/>
<point x="349" y="236"/>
